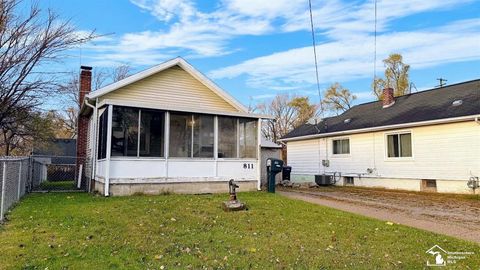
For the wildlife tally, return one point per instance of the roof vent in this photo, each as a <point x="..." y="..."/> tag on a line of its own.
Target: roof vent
<point x="346" y="121"/>
<point x="457" y="102"/>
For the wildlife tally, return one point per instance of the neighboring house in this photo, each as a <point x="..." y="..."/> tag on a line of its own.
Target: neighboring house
<point x="166" y="129"/>
<point x="60" y="156"/>
<point x="269" y="150"/>
<point x="59" y="151"/>
<point x="428" y="140"/>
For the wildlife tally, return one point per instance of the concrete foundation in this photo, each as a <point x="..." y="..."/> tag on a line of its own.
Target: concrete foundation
<point x="443" y="186"/>
<point x="125" y="189"/>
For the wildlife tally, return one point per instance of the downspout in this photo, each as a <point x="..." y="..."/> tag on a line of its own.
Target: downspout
<point x="109" y="151"/>
<point x="259" y="153"/>
<point x="94" y="142"/>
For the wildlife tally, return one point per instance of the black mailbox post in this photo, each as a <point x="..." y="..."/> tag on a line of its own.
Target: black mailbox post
<point x="274" y="166"/>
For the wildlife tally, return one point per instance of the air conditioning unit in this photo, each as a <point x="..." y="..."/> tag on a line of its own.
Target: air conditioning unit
<point x="323" y="179"/>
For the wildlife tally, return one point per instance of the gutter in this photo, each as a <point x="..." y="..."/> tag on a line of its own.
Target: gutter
<point x="94" y="141"/>
<point x="476" y="118"/>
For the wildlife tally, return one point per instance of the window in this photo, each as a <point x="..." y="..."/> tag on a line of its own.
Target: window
<point x="247" y="138"/>
<point x="348" y="180"/>
<point x="203" y="136"/>
<point x="124" y="131"/>
<point x="102" y="135"/>
<point x="399" y="145"/>
<point x="137" y="133"/>
<point x="152" y="126"/>
<point x="429" y="185"/>
<point x="341" y="146"/>
<point x="191" y="135"/>
<point x="227" y="137"/>
<point x="180" y="135"/>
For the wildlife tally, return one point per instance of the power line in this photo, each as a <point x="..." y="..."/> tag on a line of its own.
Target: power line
<point x="375" y="51"/>
<point x="315" y="56"/>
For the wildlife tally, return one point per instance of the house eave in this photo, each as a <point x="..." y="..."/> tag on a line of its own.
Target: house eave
<point x="180" y="109"/>
<point x="381" y="128"/>
<point x="153" y="70"/>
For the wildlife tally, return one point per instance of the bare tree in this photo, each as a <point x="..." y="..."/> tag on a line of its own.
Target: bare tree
<point x="288" y="113"/>
<point x="338" y="99"/>
<point x="28" y="43"/>
<point x="70" y="89"/>
<point x="29" y="128"/>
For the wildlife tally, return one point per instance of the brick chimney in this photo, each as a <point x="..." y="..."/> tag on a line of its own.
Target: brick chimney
<point x="82" y="123"/>
<point x="388" y="98"/>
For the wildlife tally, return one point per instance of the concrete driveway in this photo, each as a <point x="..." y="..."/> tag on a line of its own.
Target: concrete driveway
<point x="454" y="215"/>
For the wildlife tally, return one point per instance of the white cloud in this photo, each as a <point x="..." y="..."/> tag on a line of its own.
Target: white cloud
<point x="352" y="57"/>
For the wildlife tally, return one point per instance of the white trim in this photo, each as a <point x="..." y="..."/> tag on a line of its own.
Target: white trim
<point x="385" y="143"/>
<point x="174" y="108"/>
<point x="215" y="144"/>
<point x="259" y="154"/>
<point x="163" y="66"/>
<point x="166" y="140"/>
<point x="339" y="139"/>
<point x="109" y="151"/>
<point x="380" y="128"/>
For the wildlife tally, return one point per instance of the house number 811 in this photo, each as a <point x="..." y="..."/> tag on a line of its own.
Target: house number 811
<point x="248" y="165"/>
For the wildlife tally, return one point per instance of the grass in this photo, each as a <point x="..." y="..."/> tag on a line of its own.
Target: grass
<point x="82" y="231"/>
<point x="58" y="185"/>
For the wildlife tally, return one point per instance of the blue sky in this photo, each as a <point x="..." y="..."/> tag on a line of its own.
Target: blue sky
<point x="255" y="49"/>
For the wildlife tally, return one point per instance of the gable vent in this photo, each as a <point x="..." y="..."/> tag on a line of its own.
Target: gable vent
<point x="457" y="103"/>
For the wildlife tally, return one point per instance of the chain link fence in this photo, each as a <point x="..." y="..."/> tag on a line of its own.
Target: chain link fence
<point x="15" y="181"/>
<point x="21" y="175"/>
<point x="51" y="173"/>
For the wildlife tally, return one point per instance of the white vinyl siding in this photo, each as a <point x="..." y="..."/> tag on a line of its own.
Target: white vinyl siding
<point x="442" y="152"/>
<point x="173" y="87"/>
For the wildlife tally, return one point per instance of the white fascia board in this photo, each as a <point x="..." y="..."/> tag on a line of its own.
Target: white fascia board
<point x="168" y="64"/>
<point x="179" y="109"/>
<point x="380" y="128"/>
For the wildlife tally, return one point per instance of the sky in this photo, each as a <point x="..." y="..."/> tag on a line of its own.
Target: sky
<point x="255" y="49"/>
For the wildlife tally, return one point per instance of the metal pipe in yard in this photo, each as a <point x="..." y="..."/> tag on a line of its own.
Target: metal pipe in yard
<point x="19" y="180"/>
<point x="4" y="179"/>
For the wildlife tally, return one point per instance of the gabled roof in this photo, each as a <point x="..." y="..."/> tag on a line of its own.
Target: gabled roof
<point x="163" y="66"/>
<point x="429" y="105"/>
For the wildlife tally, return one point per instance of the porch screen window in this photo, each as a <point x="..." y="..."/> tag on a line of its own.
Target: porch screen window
<point x="247" y="138"/>
<point x="102" y="135"/>
<point x="152" y="125"/>
<point x="191" y="135"/>
<point x="180" y="135"/>
<point x="124" y="131"/>
<point x="227" y="137"/>
<point x="341" y="147"/>
<point x="137" y="132"/>
<point x="399" y="145"/>
<point x="203" y="136"/>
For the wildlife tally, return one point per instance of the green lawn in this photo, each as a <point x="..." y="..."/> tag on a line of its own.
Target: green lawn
<point x="82" y="231"/>
<point x="58" y="185"/>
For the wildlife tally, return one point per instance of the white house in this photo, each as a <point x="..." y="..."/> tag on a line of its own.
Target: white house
<point x="166" y="129"/>
<point x="428" y="141"/>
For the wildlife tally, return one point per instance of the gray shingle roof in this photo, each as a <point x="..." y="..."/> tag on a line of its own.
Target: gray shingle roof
<point x="427" y="105"/>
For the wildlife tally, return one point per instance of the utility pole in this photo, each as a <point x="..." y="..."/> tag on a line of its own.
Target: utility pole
<point x="441" y="82"/>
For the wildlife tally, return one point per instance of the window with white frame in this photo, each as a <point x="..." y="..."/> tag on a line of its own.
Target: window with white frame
<point x="399" y="145"/>
<point x="191" y="135"/>
<point x="137" y="132"/>
<point x="341" y="146"/>
<point x="237" y="137"/>
<point x="227" y="137"/>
